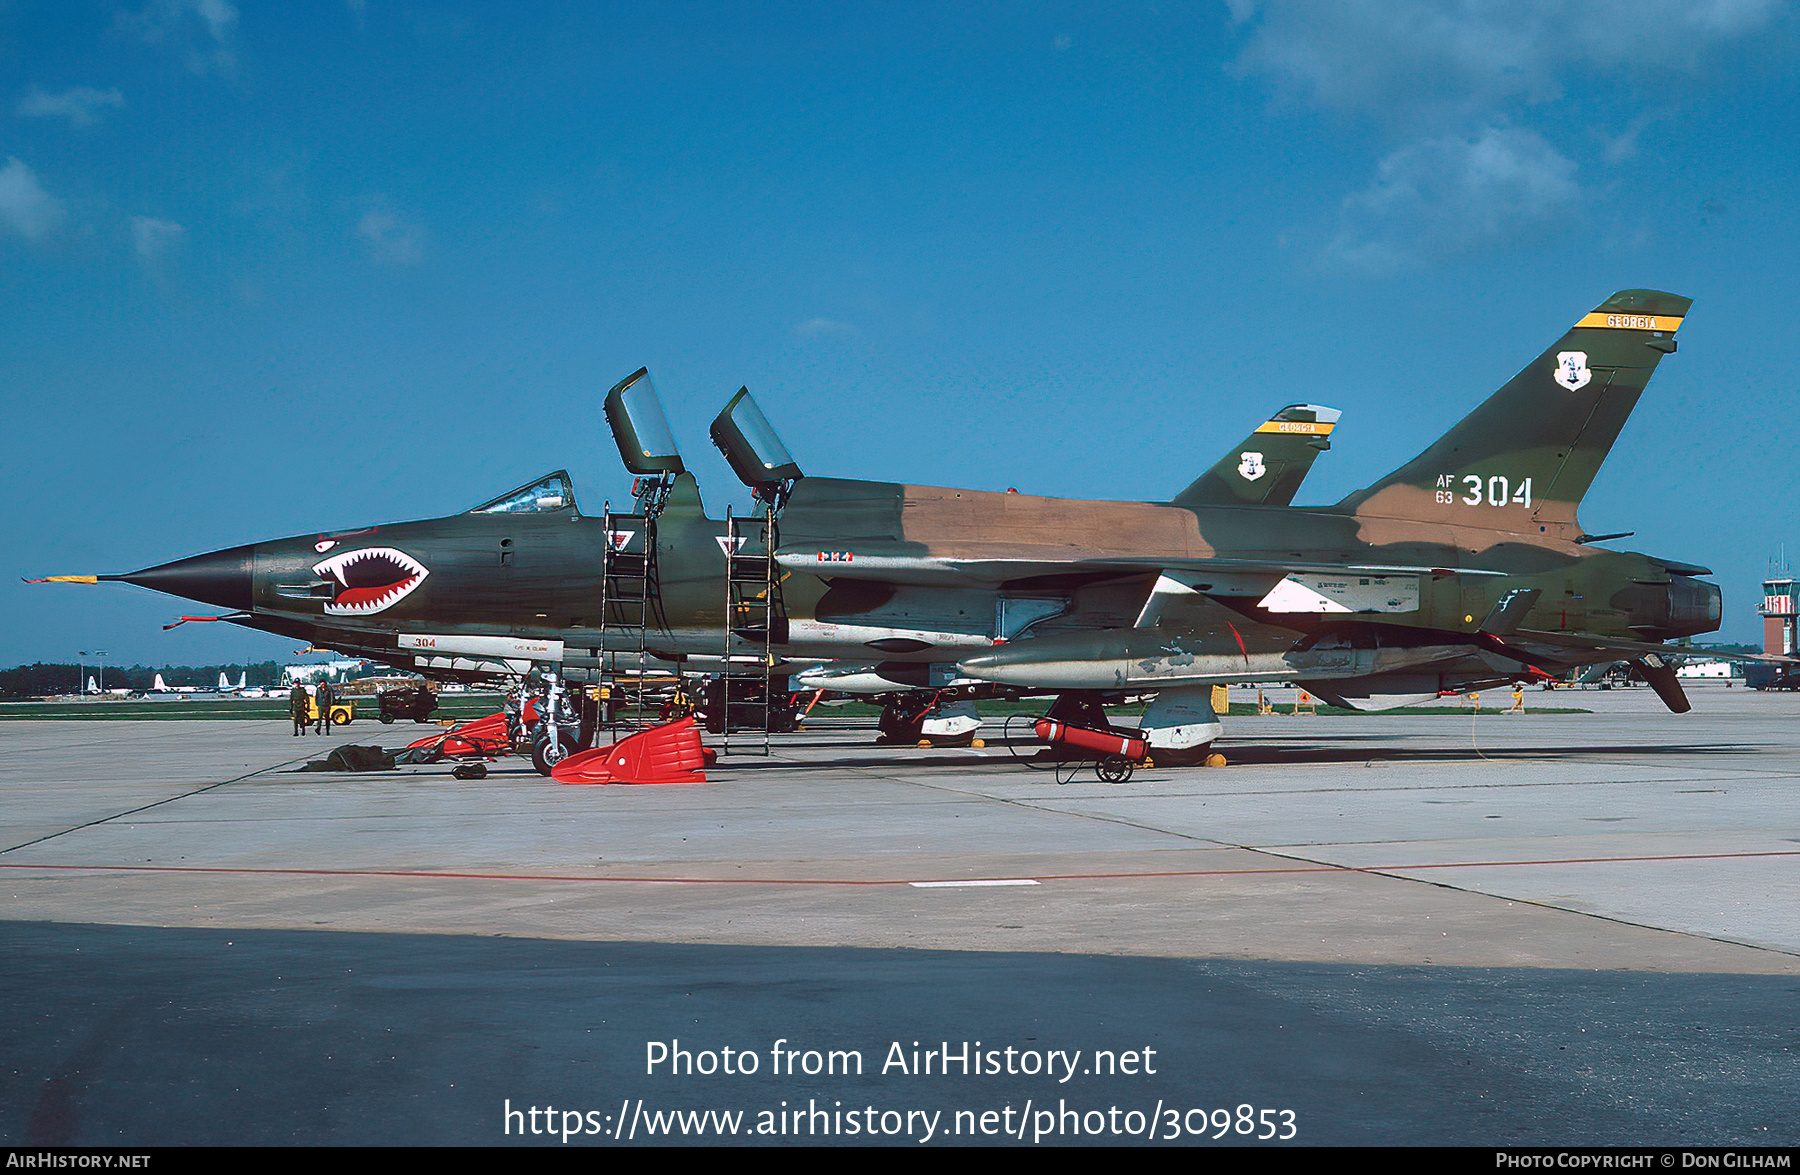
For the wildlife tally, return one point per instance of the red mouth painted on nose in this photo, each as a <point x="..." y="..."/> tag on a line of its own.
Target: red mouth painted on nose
<point x="369" y="580"/>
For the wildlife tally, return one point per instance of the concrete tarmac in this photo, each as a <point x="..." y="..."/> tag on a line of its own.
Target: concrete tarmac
<point x="1447" y="929"/>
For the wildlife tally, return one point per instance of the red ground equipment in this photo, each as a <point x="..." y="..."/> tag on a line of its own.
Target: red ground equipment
<point x="480" y="738"/>
<point x="662" y="754"/>
<point x="1078" y="733"/>
<point x="1105" y="743"/>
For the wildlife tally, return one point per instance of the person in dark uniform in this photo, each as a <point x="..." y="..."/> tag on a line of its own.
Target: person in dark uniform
<point x="299" y="707"/>
<point x="325" y="695"/>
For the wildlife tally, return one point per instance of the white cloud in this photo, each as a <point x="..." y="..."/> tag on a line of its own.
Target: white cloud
<point x="390" y="238"/>
<point x="153" y="237"/>
<point x="817" y="328"/>
<point x="204" y="30"/>
<point x="1443" y="198"/>
<point x="1438" y="60"/>
<point x="220" y="18"/>
<point x="25" y="208"/>
<point x="78" y="104"/>
<point x="1457" y="81"/>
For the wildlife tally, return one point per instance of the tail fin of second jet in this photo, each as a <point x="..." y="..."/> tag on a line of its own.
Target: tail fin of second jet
<point x="1522" y="460"/>
<point x="1266" y="467"/>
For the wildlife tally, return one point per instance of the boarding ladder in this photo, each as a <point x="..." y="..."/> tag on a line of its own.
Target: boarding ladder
<point x="755" y="621"/>
<point x="630" y="603"/>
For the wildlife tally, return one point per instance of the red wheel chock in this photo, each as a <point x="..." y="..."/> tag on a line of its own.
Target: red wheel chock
<point x="662" y="754"/>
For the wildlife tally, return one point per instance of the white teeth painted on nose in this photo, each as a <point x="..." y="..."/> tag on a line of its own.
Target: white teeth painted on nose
<point x="385" y="576"/>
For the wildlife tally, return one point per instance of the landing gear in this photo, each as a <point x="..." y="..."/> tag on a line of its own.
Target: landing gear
<point x="902" y="721"/>
<point x="546" y="752"/>
<point x="731" y="704"/>
<point x="1177" y="731"/>
<point x="1181" y="725"/>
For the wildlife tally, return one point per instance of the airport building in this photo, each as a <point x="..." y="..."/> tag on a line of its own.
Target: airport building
<point x="1779" y="616"/>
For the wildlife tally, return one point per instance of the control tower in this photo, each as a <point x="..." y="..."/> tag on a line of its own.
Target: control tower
<point x="1779" y="615"/>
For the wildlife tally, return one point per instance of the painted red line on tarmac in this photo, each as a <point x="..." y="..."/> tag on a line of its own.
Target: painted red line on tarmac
<point x="1586" y="860"/>
<point x="242" y="872"/>
<point x="906" y="881"/>
<point x="1426" y="865"/>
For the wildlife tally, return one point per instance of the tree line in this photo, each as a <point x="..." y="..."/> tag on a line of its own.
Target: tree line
<point x="43" y="679"/>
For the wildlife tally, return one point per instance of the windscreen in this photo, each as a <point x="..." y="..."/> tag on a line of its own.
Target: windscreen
<point x="540" y="497"/>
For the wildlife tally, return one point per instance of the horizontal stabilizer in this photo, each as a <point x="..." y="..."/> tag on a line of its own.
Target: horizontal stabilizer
<point x="1661" y="676"/>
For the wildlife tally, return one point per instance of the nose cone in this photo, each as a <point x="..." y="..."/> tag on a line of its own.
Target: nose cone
<point x="224" y="578"/>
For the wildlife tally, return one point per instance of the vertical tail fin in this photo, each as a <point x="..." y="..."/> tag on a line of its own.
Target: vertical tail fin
<point x="1266" y="467"/>
<point x="1524" y="458"/>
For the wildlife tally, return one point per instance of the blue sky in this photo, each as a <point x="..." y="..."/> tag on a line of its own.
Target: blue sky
<point x="269" y="269"/>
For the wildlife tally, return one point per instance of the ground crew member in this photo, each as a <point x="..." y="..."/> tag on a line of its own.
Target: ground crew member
<point x="299" y="706"/>
<point x="325" y="696"/>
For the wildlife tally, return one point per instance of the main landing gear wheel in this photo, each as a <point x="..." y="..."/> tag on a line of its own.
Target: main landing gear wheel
<point x="544" y="756"/>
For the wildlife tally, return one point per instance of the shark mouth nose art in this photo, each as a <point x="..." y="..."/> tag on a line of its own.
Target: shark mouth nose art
<point x="369" y="580"/>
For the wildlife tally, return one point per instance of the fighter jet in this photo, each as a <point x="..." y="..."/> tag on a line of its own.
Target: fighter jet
<point x="1266" y="468"/>
<point x="1465" y="567"/>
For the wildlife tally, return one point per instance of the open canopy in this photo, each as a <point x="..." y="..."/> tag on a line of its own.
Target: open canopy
<point x="639" y="428"/>
<point x="749" y="443"/>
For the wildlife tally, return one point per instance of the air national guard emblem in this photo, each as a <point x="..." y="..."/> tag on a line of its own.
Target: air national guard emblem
<point x="1251" y="467"/>
<point x="1572" y="370"/>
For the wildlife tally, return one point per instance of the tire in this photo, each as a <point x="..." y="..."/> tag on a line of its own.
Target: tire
<point x="1113" y="769"/>
<point x="387" y="719"/>
<point x="542" y="756"/>
<point x="340" y="717"/>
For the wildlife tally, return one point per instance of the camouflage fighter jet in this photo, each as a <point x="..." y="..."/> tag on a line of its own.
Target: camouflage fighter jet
<point x="1266" y="468"/>
<point x="1465" y="567"/>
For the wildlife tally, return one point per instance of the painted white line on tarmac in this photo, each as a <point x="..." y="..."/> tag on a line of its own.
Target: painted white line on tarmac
<point x="971" y="884"/>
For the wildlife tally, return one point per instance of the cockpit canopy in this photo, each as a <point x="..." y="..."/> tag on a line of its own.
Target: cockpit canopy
<point x="547" y="495"/>
<point x="748" y="441"/>
<point x="640" y="428"/>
